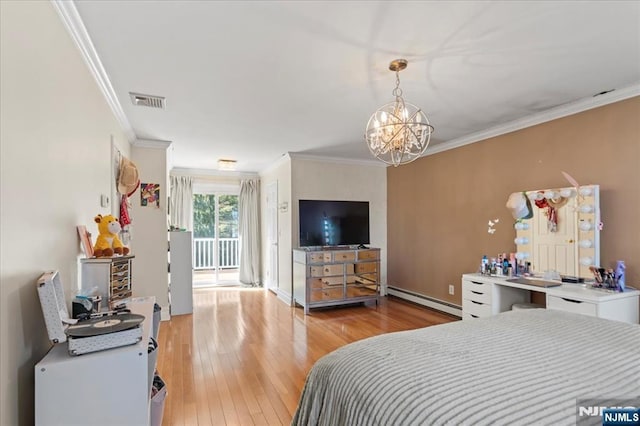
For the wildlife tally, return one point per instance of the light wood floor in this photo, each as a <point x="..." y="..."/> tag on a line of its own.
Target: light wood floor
<point x="242" y="357"/>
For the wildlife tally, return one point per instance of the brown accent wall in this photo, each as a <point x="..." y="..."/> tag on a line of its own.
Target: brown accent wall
<point x="439" y="205"/>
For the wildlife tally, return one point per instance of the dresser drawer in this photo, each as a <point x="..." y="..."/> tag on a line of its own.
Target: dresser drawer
<point x="478" y="286"/>
<point x="315" y="283"/>
<point x="477" y="309"/>
<point x="477" y="294"/>
<point x="368" y="254"/>
<point x="571" y="305"/>
<point x="324" y="282"/>
<point x="360" y="290"/>
<point x="326" y="270"/>
<point x="366" y="267"/>
<point x="320" y="257"/>
<point x="340" y="256"/>
<point x="327" y="294"/>
<point x="329" y="270"/>
<point x="338" y="280"/>
<point x="316" y="271"/>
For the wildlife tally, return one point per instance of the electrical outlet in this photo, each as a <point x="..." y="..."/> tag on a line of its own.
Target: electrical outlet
<point x="451" y="289"/>
<point x="104" y="200"/>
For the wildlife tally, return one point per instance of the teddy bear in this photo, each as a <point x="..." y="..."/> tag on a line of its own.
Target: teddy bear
<point x="108" y="241"/>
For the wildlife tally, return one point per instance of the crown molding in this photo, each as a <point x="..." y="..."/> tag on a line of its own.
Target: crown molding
<point x="151" y="143"/>
<point x="338" y="160"/>
<point x="539" y="118"/>
<point x="277" y="163"/>
<point x="74" y="25"/>
<point x="183" y="171"/>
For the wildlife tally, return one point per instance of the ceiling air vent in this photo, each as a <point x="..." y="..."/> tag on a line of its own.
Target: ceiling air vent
<point x="150" y="101"/>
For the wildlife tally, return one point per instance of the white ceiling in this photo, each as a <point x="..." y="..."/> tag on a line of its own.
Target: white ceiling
<point x="253" y="80"/>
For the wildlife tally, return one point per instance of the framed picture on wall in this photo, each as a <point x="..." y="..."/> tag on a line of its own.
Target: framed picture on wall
<point x="150" y="195"/>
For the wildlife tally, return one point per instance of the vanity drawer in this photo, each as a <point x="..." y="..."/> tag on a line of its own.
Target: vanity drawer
<point x="477" y="309"/>
<point x="477" y="286"/>
<point x="340" y="256"/>
<point x="477" y="294"/>
<point x="468" y="316"/>
<point x="571" y="305"/>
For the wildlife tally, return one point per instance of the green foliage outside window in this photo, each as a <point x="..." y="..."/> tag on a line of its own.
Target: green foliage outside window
<point x="204" y="216"/>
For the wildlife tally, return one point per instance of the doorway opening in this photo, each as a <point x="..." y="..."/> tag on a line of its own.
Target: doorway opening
<point x="216" y="245"/>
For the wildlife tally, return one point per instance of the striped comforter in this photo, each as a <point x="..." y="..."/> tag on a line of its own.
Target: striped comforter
<point x="519" y="367"/>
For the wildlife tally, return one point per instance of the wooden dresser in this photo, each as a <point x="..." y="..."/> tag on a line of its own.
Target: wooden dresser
<point x="335" y="276"/>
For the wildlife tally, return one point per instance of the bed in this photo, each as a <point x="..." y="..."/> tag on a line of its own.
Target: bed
<point x="519" y="367"/>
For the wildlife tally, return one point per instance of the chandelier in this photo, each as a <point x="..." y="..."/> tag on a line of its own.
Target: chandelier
<point x="398" y="132"/>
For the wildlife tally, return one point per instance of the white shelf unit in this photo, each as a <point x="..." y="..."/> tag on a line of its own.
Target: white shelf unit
<point x="112" y="276"/>
<point x="180" y="272"/>
<point x="110" y="387"/>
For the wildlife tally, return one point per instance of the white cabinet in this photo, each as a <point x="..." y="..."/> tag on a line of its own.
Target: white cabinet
<point x="110" y="387"/>
<point x="180" y="272"/>
<point x="480" y="298"/>
<point x="484" y="296"/>
<point x="595" y="302"/>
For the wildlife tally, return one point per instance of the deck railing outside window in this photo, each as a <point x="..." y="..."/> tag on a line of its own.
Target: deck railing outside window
<point x="205" y="252"/>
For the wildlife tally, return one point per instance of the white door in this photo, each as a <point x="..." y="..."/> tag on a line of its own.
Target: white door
<point x="557" y="250"/>
<point x="272" y="236"/>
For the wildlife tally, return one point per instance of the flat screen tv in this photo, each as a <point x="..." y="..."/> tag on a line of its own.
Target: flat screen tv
<point x="333" y="223"/>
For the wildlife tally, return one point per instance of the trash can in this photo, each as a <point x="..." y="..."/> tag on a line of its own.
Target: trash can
<point x="518" y="306"/>
<point x="152" y="351"/>
<point x="156" y="320"/>
<point x="158" y="395"/>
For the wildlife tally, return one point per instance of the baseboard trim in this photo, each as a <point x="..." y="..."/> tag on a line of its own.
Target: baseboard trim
<point x="427" y="301"/>
<point x="165" y="315"/>
<point x="285" y="297"/>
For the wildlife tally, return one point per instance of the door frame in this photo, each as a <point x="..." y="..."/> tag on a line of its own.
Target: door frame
<point x="271" y="279"/>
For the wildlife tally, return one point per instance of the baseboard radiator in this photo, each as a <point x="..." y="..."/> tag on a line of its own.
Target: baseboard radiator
<point x="427" y="301"/>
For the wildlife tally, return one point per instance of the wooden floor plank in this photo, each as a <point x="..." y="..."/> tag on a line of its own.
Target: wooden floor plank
<point x="242" y="357"/>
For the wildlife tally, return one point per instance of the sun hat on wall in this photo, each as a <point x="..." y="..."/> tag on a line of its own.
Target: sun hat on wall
<point x="520" y="206"/>
<point x="128" y="179"/>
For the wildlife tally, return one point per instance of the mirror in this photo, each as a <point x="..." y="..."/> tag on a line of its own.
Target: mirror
<point x="564" y="233"/>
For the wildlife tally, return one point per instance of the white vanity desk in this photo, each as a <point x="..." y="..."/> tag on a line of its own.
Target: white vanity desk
<point x="484" y="296"/>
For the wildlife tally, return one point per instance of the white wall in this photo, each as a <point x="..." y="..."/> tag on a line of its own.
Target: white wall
<point x="149" y="227"/>
<point x="324" y="180"/>
<point x="280" y="172"/>
<point x="55" y="150"/>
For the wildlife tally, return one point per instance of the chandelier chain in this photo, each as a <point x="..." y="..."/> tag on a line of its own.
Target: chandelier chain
<point x="397" y="92"/>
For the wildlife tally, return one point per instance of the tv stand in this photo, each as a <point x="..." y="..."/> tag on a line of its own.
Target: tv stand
<point x="329" y="276"/>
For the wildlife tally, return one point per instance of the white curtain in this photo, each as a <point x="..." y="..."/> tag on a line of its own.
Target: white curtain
<point x="181" y="202"/>
<point x="249" y="230"/>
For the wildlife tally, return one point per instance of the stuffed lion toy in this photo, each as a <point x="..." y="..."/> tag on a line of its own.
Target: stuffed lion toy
<point x="108" y="241"/>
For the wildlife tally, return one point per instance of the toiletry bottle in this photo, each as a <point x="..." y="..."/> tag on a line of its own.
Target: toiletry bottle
<point x="485" y="265"/>
<point x="619" y="275"/>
